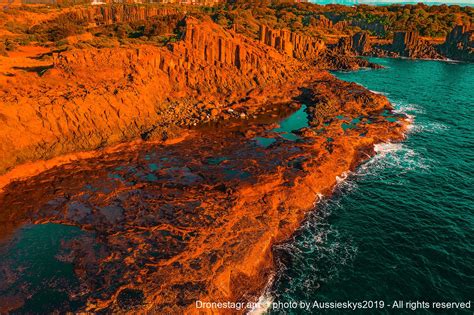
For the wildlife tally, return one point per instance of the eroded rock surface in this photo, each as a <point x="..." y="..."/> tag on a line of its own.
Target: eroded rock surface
<point x="196" y="220"/>
<point x="409" y="44"/>
<point x="295" y="45"/>
<point x="97" y="97"/>
<point x="169" y="223"/>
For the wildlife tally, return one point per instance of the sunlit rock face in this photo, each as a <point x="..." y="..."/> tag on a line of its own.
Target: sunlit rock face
<point x="196" y="220"/>
<point x="237" y="139"/>
<point x="84" y="100"/>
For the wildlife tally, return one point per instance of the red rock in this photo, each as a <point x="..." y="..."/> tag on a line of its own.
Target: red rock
<point x="98" y="97"/>
<point x="292" y="44"/>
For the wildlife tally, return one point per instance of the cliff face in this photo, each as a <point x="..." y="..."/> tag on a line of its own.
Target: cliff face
<point x="294" y="45"/>
<point x="459" y="43"/>
<point x="97" y="97"/>
<point x="358" y="44"/>
<point x="409" y="44"/>
<point x="361" y="43"/>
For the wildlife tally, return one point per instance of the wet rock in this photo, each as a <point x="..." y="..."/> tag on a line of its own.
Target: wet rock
<point x="129" y="299"/>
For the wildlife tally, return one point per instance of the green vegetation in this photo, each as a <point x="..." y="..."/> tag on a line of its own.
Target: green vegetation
<point x="433" y="21"/>
<point x="242" y="15"/>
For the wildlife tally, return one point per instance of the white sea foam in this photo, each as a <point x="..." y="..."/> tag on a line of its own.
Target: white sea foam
<point x="407" y="109"/>
<point x="411" y="110"/>
<point x="378" y="92"/>
<point x="342" y="177"/>
<point x="263" y="304"/>
<point x="343" y="182"/>
<point x="431" y="127"/>
<point x="395" y="156"/>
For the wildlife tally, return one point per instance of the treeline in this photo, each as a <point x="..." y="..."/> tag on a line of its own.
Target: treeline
<point x="245" y="16"/>
<point x="432" y="21"/>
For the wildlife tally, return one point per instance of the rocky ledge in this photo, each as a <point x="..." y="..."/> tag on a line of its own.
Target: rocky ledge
<point x="94" y="98"/>
<point x="169" y="223"/>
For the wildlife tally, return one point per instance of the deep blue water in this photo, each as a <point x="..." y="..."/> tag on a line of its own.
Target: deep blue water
<point x="401" y="227"/>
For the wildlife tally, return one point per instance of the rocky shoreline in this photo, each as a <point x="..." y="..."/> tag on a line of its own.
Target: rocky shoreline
<point x="84" y="101"/>
<point x="191" y="211"/>
<point x="214" y="202"/>
<point x="458" y="45"/>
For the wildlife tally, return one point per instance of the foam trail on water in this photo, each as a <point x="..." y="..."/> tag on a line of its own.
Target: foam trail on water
<point x="407" y="109"/>
<point x="377" y="92"/>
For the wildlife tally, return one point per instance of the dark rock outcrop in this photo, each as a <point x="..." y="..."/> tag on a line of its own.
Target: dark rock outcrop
<point x="459" y="44"/>
<point x="409" y="44"/>
<point x="361" y="43"/>
<point x="343" y="55"/>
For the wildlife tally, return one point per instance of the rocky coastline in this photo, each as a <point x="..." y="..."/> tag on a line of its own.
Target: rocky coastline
<point x="200" y="222"/>
<point x="458" y="45"/>
<point x="215" y="202"/>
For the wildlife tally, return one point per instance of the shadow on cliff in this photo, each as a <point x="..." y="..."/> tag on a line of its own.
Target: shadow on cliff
<point x="40" y="70"/>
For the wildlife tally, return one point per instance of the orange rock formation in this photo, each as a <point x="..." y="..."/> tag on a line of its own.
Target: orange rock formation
<point x="84" y="101"/>
<point x="200" y="224"/>
<point x="292" y="44"/>
<point x="189" y="226"/>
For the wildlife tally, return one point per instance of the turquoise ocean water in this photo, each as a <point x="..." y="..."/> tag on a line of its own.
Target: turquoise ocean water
<point x="401" y="227"/>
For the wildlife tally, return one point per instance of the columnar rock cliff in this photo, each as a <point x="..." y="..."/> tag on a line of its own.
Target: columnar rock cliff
<point x="292" y="44"/>
<point x="357" y="44"/>
<point x="361" y="43"/>
<point x="409" y="44"/>
<point x="96" y="97"/>
<point x="459" y="43"/>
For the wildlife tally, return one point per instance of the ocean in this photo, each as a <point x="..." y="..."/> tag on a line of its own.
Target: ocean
<point x="401" y="227"/>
